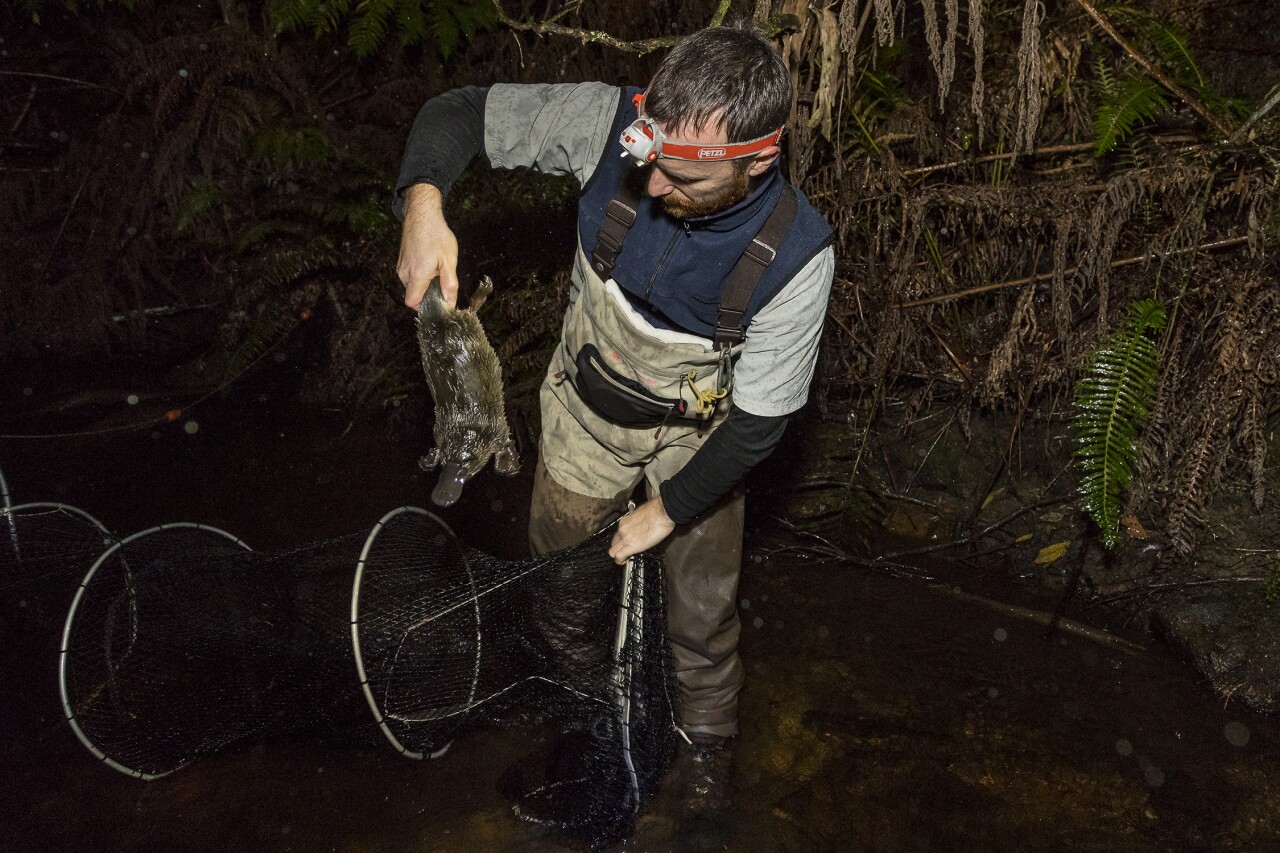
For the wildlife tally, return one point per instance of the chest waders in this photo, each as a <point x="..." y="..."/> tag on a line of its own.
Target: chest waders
<point x="647" y="395"/>
<point x="589" y="462"/>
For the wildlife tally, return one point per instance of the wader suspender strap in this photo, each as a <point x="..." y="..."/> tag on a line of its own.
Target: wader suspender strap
<point x="620" y="215"/>
<point x="746" y="273"/>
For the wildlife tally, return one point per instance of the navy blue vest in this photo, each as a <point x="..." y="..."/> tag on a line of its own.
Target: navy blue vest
<point x="673" y="271"/>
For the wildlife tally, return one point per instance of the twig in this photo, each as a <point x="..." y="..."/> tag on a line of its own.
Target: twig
<point x="986" y="531"/>
<point x="1160" y="77"/>
<point x="1075" y="148"/>
<point x="61" y="80"/>
<point x="1261" y="111"/>
<point x="1123" y="262"/>
<point x="1141" y="588"/>
<point x="22" y="113"/>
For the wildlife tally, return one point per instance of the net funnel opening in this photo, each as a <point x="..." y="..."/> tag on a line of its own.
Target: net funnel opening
<point x="142" y="686"/>
<point x="446" y="636"/>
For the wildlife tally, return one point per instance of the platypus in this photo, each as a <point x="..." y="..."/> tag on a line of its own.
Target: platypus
<point x="466" y="384"/>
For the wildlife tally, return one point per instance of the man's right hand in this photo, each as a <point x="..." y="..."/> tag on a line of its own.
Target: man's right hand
<point x="428" y="248"/>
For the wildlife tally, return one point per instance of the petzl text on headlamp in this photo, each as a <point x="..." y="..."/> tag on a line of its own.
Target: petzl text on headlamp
<point x="644" y="142"/>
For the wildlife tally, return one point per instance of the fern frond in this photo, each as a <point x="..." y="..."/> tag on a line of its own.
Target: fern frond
<point x="287" y="146"/>
<point x="1133" y="101"/>
<point x="271" y="326"/>
<point x="369" y="26"/>
<point x="412" y="22"/>
<point x="1175" y="54"/>
<point x="1171" y="45"/>
<point x="1112" y="399"/>
<point x="444" y="27"/>
<point x="195" y="205"/>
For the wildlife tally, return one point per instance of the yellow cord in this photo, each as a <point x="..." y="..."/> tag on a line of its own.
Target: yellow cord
<point x="706" y="398"/>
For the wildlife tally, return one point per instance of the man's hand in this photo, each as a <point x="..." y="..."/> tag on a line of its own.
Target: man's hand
<point x="641" y="530"/>
<point x="428" y="247"/>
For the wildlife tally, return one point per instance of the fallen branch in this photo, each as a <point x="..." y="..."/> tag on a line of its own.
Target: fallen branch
<point x="1155" y="73"/>
<point x="1140" y="587"/>
<point x="826" y="552"/>
<point x="981" y="534"/>
<point x="1044" y="276"/>
<point x="1076" y="148"/>
<point x="639" y="47"/>
<point x="71" y="80"/>
<point x="1040" y="617"/>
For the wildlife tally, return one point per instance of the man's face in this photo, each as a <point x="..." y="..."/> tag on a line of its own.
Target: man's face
<point x="687" y="189"/>
<point x="696" y="189"/>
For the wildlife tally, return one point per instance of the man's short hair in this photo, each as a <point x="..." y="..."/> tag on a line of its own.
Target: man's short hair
<point x="734" y="69"/>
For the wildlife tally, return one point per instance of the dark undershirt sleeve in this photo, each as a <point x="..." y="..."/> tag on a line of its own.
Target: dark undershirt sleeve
<point x="447" y="134"/>
<point x="735" y="447"/>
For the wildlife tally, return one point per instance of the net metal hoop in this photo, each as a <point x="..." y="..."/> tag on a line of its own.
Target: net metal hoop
<point x="66" y="639"/>
<point x="630" y="578"/>
<point x="355" y="633"/>
<point x="8" y="517"/>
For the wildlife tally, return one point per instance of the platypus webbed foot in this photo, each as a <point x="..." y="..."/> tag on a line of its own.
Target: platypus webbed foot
<point x="431" y="459"/>
<point x="507" y="461"/>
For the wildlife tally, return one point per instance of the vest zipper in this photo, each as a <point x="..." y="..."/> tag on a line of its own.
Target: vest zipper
<point x="662" y="262"/>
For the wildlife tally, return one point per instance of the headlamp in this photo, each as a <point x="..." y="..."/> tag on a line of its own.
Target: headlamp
<point x="645" y="142"/>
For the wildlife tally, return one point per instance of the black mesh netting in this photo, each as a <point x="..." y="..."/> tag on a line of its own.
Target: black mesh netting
<point x="181" y="641"/>
<point x="45" y="549"/>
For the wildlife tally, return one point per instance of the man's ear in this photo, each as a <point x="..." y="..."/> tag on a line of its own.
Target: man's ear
<point x="763" y="160"/>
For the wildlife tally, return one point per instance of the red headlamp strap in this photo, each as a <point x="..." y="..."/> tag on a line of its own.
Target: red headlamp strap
<point x="671" y="149"/>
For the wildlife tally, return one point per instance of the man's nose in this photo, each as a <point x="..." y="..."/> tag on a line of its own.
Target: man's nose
<point x="658" y="184"/>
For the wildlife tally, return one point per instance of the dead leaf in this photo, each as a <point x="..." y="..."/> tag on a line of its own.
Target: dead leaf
<point x="1133" y="527"/>
<point x="1050" y="553"/>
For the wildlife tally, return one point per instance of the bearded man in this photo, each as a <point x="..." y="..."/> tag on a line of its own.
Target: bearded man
<point x="697" y="301"/>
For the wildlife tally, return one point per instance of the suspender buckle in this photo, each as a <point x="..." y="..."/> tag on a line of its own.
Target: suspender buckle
<point x="756" y="251"/>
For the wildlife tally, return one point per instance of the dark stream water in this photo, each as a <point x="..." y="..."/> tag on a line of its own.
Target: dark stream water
<point x="880" y="715"/>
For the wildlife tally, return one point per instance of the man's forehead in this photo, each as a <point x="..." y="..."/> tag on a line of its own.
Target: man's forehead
<point x="709" y="131"/>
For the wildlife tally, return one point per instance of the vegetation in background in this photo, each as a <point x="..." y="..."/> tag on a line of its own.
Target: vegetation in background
<point x="1004" y="177"/>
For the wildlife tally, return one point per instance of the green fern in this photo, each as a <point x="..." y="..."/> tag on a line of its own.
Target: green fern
<point x="371" y="22"/>
<point x="454" y="20"/>
<point x="1172" y="48"/>
<point x="1112" y="400"/>
<point x="1123" y="106"/>
<point x="270" y="327"/>
<point x="369" y="26"/>
<point x="195" y="206"/>
<point x="291" y="146"/>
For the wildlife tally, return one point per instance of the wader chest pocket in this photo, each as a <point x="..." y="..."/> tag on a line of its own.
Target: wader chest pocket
<point x="624" y="401"/>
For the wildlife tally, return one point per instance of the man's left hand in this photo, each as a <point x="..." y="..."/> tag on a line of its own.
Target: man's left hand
<point x="641" y="530"/>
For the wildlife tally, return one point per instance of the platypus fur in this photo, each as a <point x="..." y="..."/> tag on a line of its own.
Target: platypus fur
<point x="466" y="384"/>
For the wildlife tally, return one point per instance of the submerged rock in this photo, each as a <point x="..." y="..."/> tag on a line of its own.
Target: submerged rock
<point x="1230" y="637"/>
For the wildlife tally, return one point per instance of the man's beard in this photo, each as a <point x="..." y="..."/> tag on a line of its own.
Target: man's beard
<point x="684" y="208"/>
